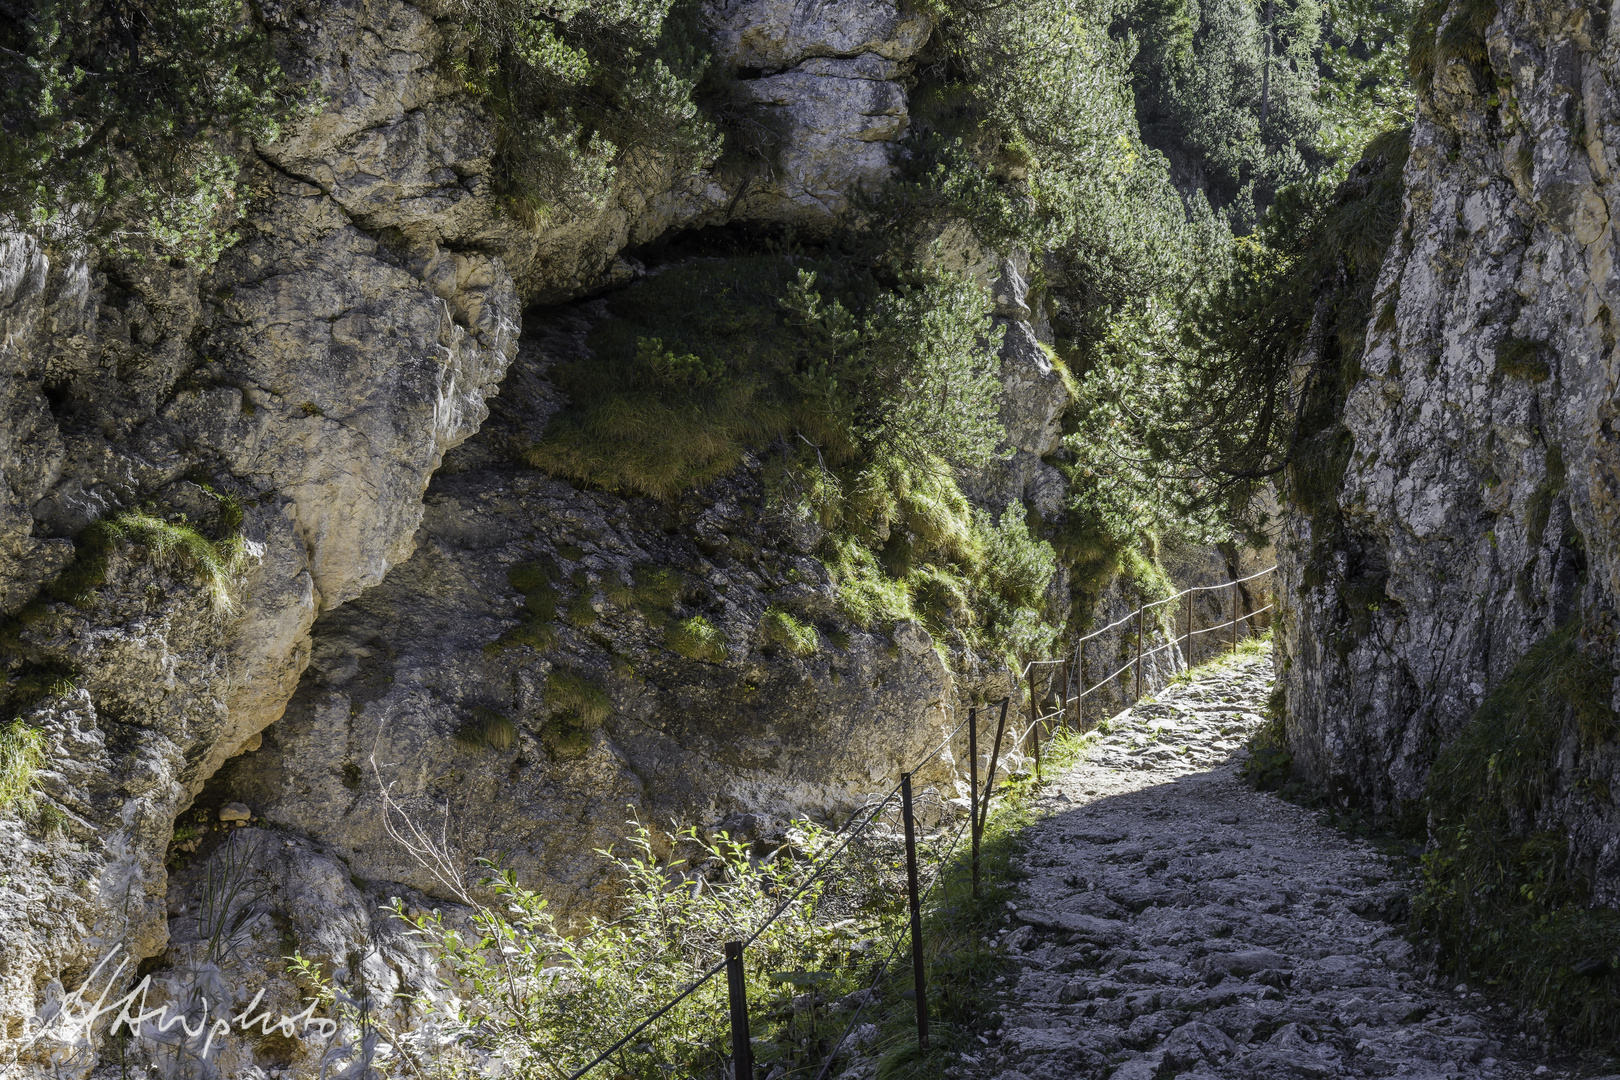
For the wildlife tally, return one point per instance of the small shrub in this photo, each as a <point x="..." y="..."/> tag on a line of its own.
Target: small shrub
<point x="697" y="639"/>
<point x="22" y="755"/>
<point x="122" y="119"/>
<point x="786" y="632"/>
<point x="526" y="989"/>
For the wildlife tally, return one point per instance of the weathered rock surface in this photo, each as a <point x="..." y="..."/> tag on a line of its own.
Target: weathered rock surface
<point x="317" y="374"/>
<point x="1178" y="923"/>
<point x="749" y="739"/>
<point x="1478" y="507"/>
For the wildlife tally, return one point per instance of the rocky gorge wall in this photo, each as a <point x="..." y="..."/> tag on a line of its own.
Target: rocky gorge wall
<point x="315" y="377"/>
<point x="344" y="390"/>
<point x="1476" y="511"/>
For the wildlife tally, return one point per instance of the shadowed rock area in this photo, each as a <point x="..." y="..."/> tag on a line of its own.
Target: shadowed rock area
<point x="1178" y="923"/>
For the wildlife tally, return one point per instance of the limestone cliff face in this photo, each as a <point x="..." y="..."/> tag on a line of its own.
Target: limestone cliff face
<point x="318" y="375"/>
<point x="1478" y="511"/>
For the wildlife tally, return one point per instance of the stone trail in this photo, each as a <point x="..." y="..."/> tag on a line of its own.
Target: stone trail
<point x="1178" y="923"/>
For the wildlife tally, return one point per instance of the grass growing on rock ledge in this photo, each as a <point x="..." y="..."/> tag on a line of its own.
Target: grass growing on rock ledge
<point x="22" y="755"/>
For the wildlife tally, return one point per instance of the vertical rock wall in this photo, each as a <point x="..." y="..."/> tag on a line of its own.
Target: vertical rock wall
<point x="1478" y="509"/>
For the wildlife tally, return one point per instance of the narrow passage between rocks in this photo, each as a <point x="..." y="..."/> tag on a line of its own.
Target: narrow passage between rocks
<point x="1177" y="923"/>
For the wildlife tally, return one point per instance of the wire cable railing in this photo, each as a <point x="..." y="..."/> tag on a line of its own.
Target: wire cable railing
<point x="1074" y="691"/>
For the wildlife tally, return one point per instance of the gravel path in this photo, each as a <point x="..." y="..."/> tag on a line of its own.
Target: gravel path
<point x="1178" y="923"/>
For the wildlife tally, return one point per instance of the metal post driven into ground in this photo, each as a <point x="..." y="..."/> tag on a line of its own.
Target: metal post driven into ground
<point x="1189" y="630"/>
<point x="1138" y="654"/>
<point x="917" y="977"/>
<point x="995" y="756"/>
<point x="1063" y="713"/>
<point x="1035" y="721"/>
<point x="742" y="1051"/>
<point x="1080" y="686"/>
<point x="1234" y="616"/>
<point x="973" y="791"/>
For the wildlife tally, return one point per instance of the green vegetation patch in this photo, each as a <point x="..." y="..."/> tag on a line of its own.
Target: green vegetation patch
<point x="1502" y="897"/>
<point x="784" y="631"/>
<point x="1270" y="764"/>
<point x="535" y="581"/>
<point x="22" y="755"/>
<point x="171" y="545"/>
<point x="697" y="638"/>
<point x="577" y="706"/>
<point x="696" y="366"/>
<point x="486" y="728"/>
<point x="122" y="120"/>
<point x="1462" y="37"/>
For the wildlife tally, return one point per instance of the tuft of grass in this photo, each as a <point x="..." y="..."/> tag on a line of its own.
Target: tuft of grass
<point x="535" y="582"/>
<point x="697" y="639"/>
<point x="177" y="543"/>
<point x="487" y="728"/>
<point x="1503" y="897"/>
<point x="572" y="693"/>
<point x="580" y="612"/>
<point x="578" y="706"/>
<point x="786" y="632"/>
<point x="22" y="755"/>
<point x="655" y="593"/>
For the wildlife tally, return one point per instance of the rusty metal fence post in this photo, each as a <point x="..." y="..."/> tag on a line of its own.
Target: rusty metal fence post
<point x="973" y="791"/>
<point x="1138" y="679"/>
<point x="1034" y="721"/>
<point x="1234" y="616"/>
<point x="1189" y="630"/>
<point x="1080" y="686"/>
<point x="918" y="981"/>
<point x="742" y="1050"/>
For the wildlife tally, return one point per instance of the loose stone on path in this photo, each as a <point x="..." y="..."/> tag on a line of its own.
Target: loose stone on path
<point x="1178" y="923"/>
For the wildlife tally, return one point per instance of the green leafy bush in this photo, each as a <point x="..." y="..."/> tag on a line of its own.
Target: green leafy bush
<point x="123" y="119"/>
<point x="528" y="991"/>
